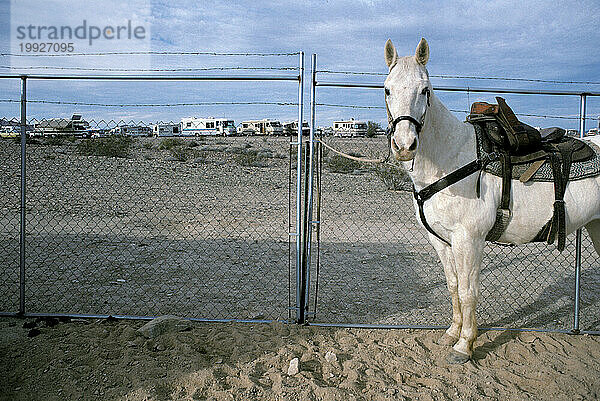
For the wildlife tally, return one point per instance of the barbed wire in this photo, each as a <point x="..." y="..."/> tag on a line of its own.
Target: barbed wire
<point x="348" y="106"/>
<point x="552" y="81"/>
<point x="60" y="102"/>
<point x="161" y="53"/>
<point x="152" y="69"/>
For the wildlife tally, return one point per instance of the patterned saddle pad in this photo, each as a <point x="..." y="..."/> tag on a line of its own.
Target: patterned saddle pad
<point x="579" y="170"/>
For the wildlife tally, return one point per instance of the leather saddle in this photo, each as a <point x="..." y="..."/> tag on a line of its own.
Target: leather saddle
<point x="518" y="143"/>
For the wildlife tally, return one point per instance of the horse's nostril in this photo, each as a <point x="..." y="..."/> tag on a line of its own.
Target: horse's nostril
<point x="413" y="146"/>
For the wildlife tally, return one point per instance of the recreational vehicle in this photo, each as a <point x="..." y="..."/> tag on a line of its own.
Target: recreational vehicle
<point x="260" y="127"/>
<point x="75" y="126"/>
<point x="166" y="130"/>
<point x="291" y="128"/>
<point x="192" y="126"/>
<point x="131" y="130"/>
<point x="349" y="128"/>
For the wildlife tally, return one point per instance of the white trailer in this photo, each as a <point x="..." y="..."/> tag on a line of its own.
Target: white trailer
<point x="166" y="130"/>
<point x="291" y="128"/>
<point x="349" y="128"/>
<point x="131" y="130"/>
<point x="192" y="126"/>
<point x="260" y="127"/>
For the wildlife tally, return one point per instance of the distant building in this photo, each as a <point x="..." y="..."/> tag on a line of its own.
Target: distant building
<point x="12" y="127"/>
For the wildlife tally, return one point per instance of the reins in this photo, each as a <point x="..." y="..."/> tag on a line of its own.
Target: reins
<point x="360" y="159"/>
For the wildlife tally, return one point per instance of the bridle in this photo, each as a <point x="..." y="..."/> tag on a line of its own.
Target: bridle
<point x="417" y="123"/>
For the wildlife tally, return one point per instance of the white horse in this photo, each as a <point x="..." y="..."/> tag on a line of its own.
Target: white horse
<point x="431" y="142"/>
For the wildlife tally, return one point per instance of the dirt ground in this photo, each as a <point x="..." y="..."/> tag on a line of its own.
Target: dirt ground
<point x="109" y="360"/>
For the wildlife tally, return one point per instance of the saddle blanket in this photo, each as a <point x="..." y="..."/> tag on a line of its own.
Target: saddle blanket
<point x="579" y="170"/>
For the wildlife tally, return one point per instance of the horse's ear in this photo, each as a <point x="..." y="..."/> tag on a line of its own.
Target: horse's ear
<point x="391" y="57"/>
<point x="422" y="52"/>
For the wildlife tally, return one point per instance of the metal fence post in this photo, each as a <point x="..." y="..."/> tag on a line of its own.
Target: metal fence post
<point x="309" y="214"/>
<point x="22" y="232"/>
<point x="578" y="233"/>
<point x="299" y="279"/>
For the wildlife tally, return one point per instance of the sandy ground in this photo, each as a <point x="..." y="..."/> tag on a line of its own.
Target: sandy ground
<point x="109" y="360"/>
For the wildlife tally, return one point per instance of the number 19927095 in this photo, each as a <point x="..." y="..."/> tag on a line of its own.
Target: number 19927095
<point x="46" y="47"/>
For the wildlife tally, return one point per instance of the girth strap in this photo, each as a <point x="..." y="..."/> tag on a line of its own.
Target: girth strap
<point x="426" y="193"/>
<point x="561" y="167"/>
<point x="503" y="212"/>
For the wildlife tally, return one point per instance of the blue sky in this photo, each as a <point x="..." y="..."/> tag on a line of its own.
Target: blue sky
<point x="544" y="40"/>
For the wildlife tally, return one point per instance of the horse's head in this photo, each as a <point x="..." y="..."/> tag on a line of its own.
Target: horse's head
<point x="407" y="92"/>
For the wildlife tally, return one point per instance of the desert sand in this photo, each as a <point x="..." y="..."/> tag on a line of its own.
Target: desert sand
<point x="109" y="360"/>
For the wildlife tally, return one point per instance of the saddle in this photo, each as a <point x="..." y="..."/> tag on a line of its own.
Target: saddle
<point x="518" y="144"/>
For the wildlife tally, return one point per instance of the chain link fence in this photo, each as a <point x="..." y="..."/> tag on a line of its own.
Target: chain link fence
<point x="204" y="227"/>
<point x="130" y="224"/>
<point x="149" y="226"/>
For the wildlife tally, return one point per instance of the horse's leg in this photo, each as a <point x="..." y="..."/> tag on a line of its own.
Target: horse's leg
<point x="593" y="229"/>
<point x="468" y="253"/>
<point x="450" y="337"/>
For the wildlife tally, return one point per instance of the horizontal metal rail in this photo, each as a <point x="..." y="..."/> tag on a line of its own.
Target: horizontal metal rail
<point x="157" y="77"/>
<point x="375" y="85"/>
<point x="269" y="321"/>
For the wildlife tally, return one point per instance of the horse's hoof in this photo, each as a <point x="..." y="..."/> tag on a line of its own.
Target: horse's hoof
<point x="457" y="358"/>
<point x="447" y="340"/>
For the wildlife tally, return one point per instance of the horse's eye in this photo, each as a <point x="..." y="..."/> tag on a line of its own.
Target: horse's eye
<point x="387" y="92"/>
<point x="425" y="90"/>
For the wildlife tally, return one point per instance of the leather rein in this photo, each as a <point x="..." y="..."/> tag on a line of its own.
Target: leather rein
<point x="463" y="172"/>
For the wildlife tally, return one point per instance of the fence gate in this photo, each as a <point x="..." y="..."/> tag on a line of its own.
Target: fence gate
<point x="201" y="227"/>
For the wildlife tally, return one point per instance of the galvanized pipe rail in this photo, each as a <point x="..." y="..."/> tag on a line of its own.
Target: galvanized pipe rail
<point x="115" y="77"/>
<point x="379" y="85"/>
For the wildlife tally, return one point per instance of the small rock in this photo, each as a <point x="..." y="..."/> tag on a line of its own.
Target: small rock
<point x="331" y="357"/>
<point x="164" y="324"/>
<point x="294" y="367"/>
<point x="29" y="325"/>
<point x="33" y="332"/>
